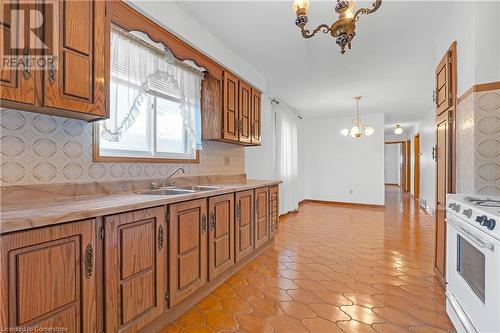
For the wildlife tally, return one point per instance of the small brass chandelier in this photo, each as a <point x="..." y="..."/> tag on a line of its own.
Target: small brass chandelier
<point x="343" y="29"/>
<point x="358" y="129"/>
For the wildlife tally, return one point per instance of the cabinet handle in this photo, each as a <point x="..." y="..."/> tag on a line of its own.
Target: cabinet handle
<point x="160" y="237"/>
<point x="203" y="223"/>
<point x="434" y="96"/>
<point x="89" y="261"/>
<point x="434" y="153"/>
<point x="52" y="70"/>
<point x="212" y="221"/>
<point x="27" y="66"/>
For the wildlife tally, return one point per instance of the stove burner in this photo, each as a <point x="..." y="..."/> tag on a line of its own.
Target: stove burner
<point x="483" y="202"/>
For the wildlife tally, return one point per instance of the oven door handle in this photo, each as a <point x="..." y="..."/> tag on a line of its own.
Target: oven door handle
<point x="476" y="240"/>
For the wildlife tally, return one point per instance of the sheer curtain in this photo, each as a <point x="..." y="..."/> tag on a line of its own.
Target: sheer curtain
<point x="286" y="156"/>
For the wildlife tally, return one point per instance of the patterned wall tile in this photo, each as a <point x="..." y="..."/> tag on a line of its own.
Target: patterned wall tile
<point x="465" y="146"/>
<point x="41" y="149"/>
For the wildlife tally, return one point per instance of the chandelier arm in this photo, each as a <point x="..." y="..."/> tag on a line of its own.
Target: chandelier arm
<point x="365" y="11"/>
<point x="324" y="28"/>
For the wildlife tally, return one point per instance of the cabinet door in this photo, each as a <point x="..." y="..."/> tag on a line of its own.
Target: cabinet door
<point x="135" y="257"/>
<point x="245" y="109"/>
<point x="256" y="117"/>
<point x="443" y="93"/>
<point x="76" y="80"/>
<point x="244" y="226"/>
<point x="17" y="84"/>
<point x="274" y="210"/>
<point x="48" y="278"/>
<point x="230" y="107"/>
<point x="261" y="216"/>
<point x="220" y="234"/>
<point x="188" y="248"/>
<point x="211" y="107"/>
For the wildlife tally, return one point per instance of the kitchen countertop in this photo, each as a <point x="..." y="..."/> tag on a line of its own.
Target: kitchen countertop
<point x="32" y="214"/>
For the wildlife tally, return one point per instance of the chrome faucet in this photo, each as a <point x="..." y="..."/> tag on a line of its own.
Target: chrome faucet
<point x="167" y="181"/>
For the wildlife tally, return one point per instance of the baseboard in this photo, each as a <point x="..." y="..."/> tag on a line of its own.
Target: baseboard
<point x="339" y="203"/>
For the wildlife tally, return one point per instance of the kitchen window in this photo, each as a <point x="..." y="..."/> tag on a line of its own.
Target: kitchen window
<point x="154" y="103"/>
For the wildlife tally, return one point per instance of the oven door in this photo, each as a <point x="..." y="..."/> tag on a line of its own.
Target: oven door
<point x="473" y="273"/>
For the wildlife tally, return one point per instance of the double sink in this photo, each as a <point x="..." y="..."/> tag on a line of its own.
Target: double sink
<point x="178" y="190"/>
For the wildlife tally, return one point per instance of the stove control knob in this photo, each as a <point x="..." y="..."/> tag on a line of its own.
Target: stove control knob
<point x="490" y="224"/>
<point x="456" y="208"/>
<point x="467" y="213"/>
<point x="481" y="219"/>
<point x="450" y="205"/>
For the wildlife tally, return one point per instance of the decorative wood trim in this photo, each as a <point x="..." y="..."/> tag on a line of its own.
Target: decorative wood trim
<point x="339" y="203"/>
<point x="478" y="88"/>
<point x="393" y="142"/>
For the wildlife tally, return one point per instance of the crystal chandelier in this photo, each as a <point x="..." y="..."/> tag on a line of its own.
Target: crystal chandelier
<point x="343" y="30"/>
<point x="358" y="129"/>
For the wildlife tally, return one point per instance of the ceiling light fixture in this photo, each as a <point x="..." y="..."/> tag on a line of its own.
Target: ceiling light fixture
<point x="358" y="129"/>
<point x="398" y="130"/>
<point x="343" y="29"/>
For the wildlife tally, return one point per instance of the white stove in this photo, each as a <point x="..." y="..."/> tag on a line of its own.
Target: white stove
<point x="473" y="262"/>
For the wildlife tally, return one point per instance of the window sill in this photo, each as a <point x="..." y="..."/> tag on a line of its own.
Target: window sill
<point x="123" y="159"/>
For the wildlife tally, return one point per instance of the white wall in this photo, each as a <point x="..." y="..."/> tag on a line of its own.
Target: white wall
<point x="344" y="169"/>
<point x="392" y="167"/>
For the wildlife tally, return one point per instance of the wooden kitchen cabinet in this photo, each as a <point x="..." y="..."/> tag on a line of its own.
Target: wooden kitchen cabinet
<point x="244" y="224"/>
<point x="48" y="278"/>
<point x="188" y="225"/>
<point x="261" y="216"/>
<point x="220" y="234"/>
<point x="274" y="210"/>
<point x="230" y="108"/>
<point x="245" y="112"/>
<point x="135" y="267"/>
<point x="256" y="117"/>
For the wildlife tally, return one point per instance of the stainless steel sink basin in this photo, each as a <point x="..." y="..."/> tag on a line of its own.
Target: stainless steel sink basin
<point x="167" y="191"/>
<point x="197" y="188"/>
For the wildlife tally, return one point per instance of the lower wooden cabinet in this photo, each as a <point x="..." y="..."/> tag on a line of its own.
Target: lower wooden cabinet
<point x="220" y="234"/>
<point x="244" y="224"/>
<point x="274" y="210"/>
<point x="261" y="216"/>
<point x="48" y="278"/>
<point x="135" y="268"/>
<point x="188" y="226"/>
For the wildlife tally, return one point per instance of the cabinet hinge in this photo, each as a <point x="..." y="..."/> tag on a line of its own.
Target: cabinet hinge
<point x="450" y="120"/>
<point x="168" y="217"/>
<point x="167" y="296"/>
<point x="101" y="232"/>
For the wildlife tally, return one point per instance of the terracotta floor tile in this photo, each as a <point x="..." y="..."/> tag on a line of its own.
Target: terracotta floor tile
<point x="192" y="317"/>
<point x="432" y="318"/>
<point x="354" y="326"/>
<point x="320" y="325"/>
<point x="254" y="323"/>
<point x="396" y="316"/>
<point x="201" y="329"/>
<point x="304" y="296"/>
<point x="287" y="324"/>
<point x="265" y="306"/>
<point x="220" y="320"/>
<point x="426" y="329"/>
<point x="329" y="312"/>
<point x="171" y="328"/>
<point x="368" y="301"/>
<point x="333" y="298"/>
<point x="362" y="314"/>
<point x="235" y="305"/>
<point x="390" y="328"/>
<point x="297" y="310"/>
<point x="211" y="302"/>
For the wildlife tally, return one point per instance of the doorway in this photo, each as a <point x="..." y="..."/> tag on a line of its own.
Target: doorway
<point x="416" y="166"/>
<point x="395" y="164"/>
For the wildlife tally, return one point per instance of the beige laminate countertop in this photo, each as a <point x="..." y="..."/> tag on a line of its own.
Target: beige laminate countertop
<point x="27" y="215"/>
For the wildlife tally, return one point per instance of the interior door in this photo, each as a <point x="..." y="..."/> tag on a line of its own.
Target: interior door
<point x="416" y="167"/>
<point x="256" y="117"/>
<point x="245" y="110"/>
<point x="230" y="107"/>
<point x="76" y="80"/>
<point x="135" y="258"/>
<point x="244" y="230"/>
<point x="261" y="216"/>
<point x="443" y="97"/>
<point x="48" y="278"/>
<point x="220" y="234"/>
<point x="188" y="248"/>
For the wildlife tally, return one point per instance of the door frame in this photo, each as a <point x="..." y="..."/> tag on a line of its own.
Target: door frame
<point x="408" y="166"/>
<point x="416" y="166"/>
<point x="404" y="164"/>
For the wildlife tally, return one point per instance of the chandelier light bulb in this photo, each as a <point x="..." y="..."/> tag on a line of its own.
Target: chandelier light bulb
<point x="355" y="131"/>
<point x="301" y="6"/>
<point x="369" y="130"/>
<point x="345" y="132"/>
<point x="398" y="130"/>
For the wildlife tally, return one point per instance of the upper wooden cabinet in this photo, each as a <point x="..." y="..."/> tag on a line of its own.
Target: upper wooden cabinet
<point x="135" y="268"/>
<point x="72" y="83"/>
<point x="445" y="80"/>
<point x="237" y="118"/>
<point x="48" y="278"/>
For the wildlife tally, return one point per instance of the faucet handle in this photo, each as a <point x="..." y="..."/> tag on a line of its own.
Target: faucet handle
<point x="153" y="185"/>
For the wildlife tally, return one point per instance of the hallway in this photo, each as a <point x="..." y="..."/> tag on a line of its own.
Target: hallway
<point x="334" y="269"/>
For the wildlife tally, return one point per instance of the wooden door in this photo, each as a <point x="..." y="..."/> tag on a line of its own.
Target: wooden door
<point x="274" y="210"/>
<point x="230" y="107"/>
<point x="416" y="166"/>
<point x="135" y="258"/>
<point x="442" y="97"/>
<point x="245" y="110"/>
<point x="256" y="116"/>
<point x="48" y="278"/>
<point x="408" y="166"/>
<point x="403" y="166"/>
<point x="244" y="229"/>
<point x="18" y="84"/>
<point x="261" y="216"/>
<point x="188" y="248"/>
<point x="76" y="80"/>
<point x="221" y="234"/>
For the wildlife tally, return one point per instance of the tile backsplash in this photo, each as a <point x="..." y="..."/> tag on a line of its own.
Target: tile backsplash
<point x="478" y="143"/>
<point x="41" y="149"/>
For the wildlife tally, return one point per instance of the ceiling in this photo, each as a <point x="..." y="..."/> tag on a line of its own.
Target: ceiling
<point x="391" y="63"/>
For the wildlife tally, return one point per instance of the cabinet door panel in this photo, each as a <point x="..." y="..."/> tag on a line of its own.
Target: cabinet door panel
<point x="78" y="80"/>
<point x="261" y="216"/>
<point x="188" y="248"/>
<point x="274" y="210"/>
<point x="135" y="260"/>
<point x="256" y="117"/>
<point x="245" y="109"/>
<point x="244" y="225"/>
<point x="48" y="278"/>
<point x="230" y="107"/>
<point x="221" y="234"/>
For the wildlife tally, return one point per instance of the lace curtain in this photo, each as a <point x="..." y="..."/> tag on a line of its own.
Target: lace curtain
<point x="140" y="67"/>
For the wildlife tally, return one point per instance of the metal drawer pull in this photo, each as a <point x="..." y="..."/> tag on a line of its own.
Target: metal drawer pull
<point x="473" y="238"/>
<point x="89" y="261"/>
<point x="160" y="237"/>
<point x="27" y="65"/>
<point x="52" y="69"/>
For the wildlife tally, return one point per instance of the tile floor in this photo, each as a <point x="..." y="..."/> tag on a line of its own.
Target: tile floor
<point x="334" y="269"/>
